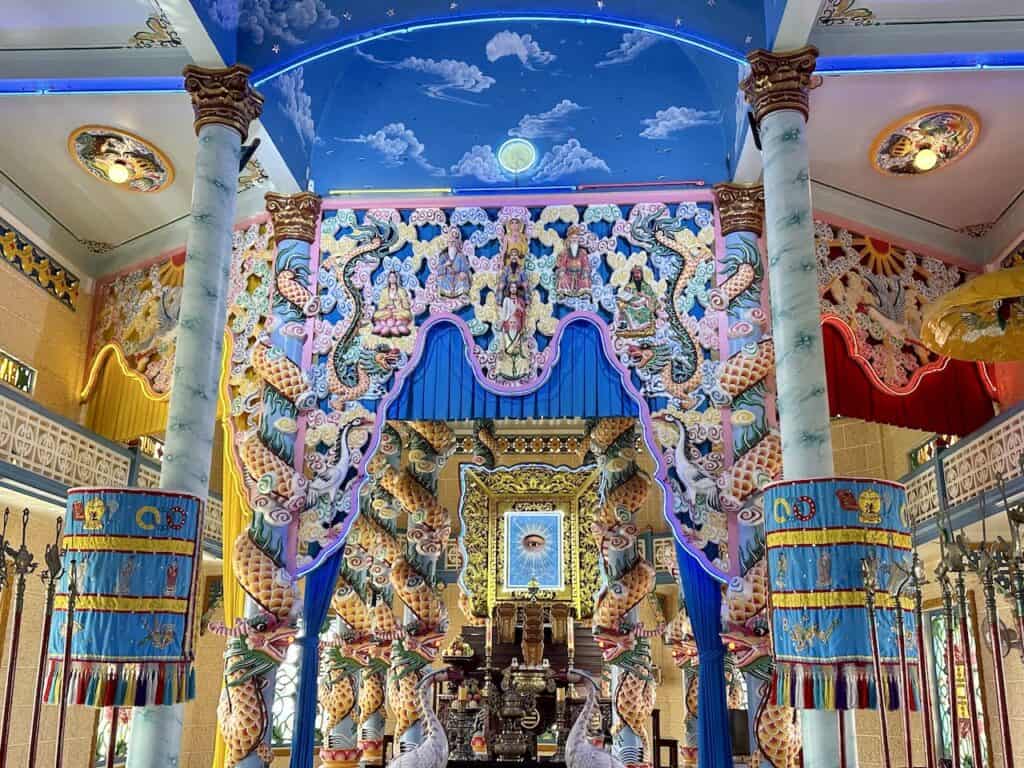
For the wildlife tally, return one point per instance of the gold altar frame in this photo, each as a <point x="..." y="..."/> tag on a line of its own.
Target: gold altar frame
<point x="487" y="494"/>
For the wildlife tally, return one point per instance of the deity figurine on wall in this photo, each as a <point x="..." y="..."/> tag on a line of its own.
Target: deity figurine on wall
<point x="393" y="316"/>
<point x="512" y="318"/>
<point x="638" y="306"/>
<point x="515" y="239"/>
<point x="572" y="266"/>
<point x="453" y="278"/>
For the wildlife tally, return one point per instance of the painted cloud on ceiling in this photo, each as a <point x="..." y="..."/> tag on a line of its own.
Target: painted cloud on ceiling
<point x="297" y="104"/>
<point x="397" y="145"/>
<point x="633" y="44"/>
<point x="669" y="121"/>
<point x="554" y="124"/>
<point x="523" y="47"/>
<point x="450" y="75"/>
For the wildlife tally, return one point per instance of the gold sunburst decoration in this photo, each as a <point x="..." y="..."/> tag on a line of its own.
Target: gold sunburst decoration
<point x="120" y="158"/>
<point x="925" y="141"/>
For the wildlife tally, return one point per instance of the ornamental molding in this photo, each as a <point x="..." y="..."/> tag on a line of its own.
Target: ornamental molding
<point x="845" y="13"/>
<point x="780" y="81"/>
<point x="38" y="266"/>
<point x="294" y="216"/>
<point x="740" y="207"/>
<point x="223" y="97"/>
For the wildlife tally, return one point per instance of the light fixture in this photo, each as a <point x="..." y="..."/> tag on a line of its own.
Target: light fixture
<point x="118" y="172"/>
<point x="516" y="156"/>
<point x="925" y="159"/>
<point x="925" y="141"/>
<point x="115" y="156"/>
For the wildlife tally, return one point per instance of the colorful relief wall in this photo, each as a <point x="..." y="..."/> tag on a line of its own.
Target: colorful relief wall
<point x="875" y="292"/>
<point x="683" y="311"/>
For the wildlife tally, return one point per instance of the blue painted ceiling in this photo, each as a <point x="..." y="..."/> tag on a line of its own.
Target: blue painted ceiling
<point x="351" y="107"/>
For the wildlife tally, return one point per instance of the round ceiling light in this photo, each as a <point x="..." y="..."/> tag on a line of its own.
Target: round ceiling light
<point x="517" y="156"/>
<point x="925" y="141"/>
<point x="120" y="158"/>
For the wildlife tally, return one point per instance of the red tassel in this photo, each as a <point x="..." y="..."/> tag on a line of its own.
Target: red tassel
<point x="160" y="684"/>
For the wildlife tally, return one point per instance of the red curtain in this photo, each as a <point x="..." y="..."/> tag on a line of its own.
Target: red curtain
<point x="953" y="401"/>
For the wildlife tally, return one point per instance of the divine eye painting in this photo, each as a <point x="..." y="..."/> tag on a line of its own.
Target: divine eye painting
<point x="533" y="549"/>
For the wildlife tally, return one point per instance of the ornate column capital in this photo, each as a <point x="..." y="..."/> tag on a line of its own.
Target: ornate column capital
<point x="294" y="216"/>
<point x="223" y="97"/>
<point x="740" y="207"/>
<point x="780" y="80"/>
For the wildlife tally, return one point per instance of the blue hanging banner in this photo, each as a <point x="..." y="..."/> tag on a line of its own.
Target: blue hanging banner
<point x="136" y="558"/>
<point x="818" y="533"/>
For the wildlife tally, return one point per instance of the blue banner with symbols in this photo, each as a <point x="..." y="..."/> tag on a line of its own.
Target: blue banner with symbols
<point x="134" y="557"/>
<point x="818" y="535"/>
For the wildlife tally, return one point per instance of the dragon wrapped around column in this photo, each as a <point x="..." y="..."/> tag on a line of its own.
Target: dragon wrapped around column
<point x="340" y="671"/>
<point x="375" y="533"/>
<point x="628" y="579"/>
<point x="263" y="557"/>
<point x="744" y="381"/>
<point x="413" y="574"/>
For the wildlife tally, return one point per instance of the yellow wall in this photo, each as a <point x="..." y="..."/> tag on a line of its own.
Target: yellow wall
<point x="201" y="714"/>
<point x="40" y="331"/>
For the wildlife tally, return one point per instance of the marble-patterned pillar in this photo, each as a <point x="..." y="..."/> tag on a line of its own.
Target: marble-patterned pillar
<point x="224" y="104"/>
<point x="778" y="91"/>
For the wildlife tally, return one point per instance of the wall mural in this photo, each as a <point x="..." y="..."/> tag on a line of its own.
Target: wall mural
<point x="600" y="105"/>
<point x="267" y="34"/>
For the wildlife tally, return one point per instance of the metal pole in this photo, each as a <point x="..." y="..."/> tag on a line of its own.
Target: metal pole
<point x="869" y="568"/>
<point x="906" y="693"/>
<point x="922" y="668"/>
<point x="54" y="570"/>
<point x="24" y="564"/>
<point x="997" y="659"/>
<point x="947" y="611"/>
<point x="115" y="715"/>
<point x="965" y="642"/>
<point x="65" y="680"/>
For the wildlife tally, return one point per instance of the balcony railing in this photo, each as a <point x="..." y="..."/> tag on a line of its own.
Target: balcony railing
<point x="955" y="479"/>
<point x="44" y="454"/>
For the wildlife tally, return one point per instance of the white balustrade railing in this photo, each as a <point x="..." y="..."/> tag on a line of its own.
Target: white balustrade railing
<point x="970" y="467"/>
<point x="44" y="445"/>
<point x="41" y="444"/>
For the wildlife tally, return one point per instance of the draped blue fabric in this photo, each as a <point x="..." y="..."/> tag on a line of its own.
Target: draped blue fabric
<point x="704" y="604"/>
<point x="583" y="383"/>
<point x="315" y="604"/>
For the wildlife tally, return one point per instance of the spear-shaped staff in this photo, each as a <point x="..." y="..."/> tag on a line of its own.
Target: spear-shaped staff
<point x="965" y="644"/>
<point x="916" y="580"/>
<point x="906" y="694"/>
<point x="54" y="570"/>
<point x="869" y="569"/>
<point x="942" y="574"/>
<point x="24" y="563"/>
<point x="65" y="680"/>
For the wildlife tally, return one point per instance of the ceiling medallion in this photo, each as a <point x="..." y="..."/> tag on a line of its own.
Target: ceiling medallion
<point x="925" y="141"/>
<point x="120" y="158"/>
